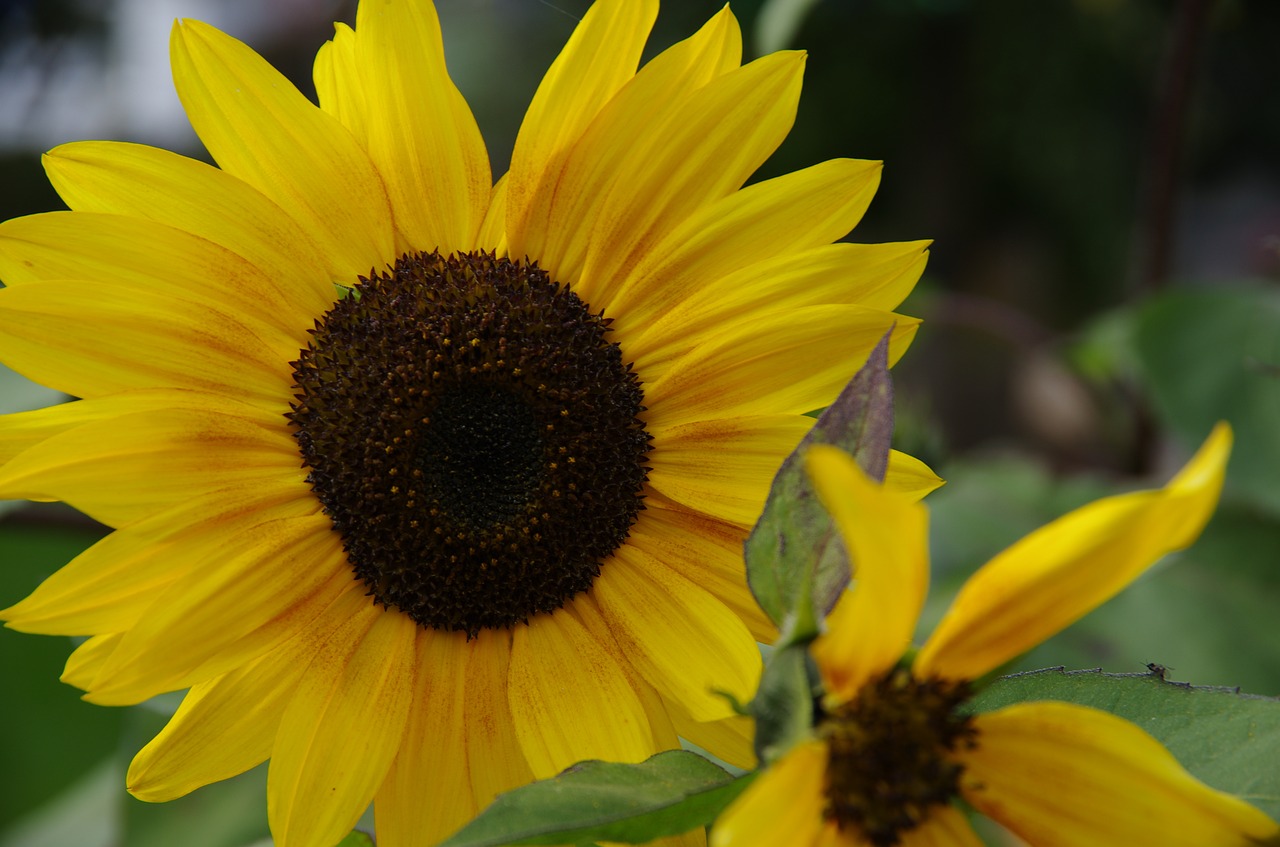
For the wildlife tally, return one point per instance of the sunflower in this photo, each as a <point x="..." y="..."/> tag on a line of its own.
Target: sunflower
<point x="425" y="485"/>
<point x="894" y="747"/>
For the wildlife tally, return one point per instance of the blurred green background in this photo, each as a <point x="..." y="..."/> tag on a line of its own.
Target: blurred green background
<point x="1102" y="184"/>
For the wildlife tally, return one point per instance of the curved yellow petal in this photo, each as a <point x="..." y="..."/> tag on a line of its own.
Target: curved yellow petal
<point x="570" y="699"/>
<point x="1061" y="775"/>
<point x="886" y="535"/>
<point x="945" y="827"/>
<point x="339" y="87"/>
<point x="783" y="806"/>
<point x="427" y="793"/>
<point x="87" y="660"/>
<point x="495" y="762"/>
<point x="1065" y="569"/>
<point x="729" y="739"/>
<point x="910" y="477"/>
<point x="724" y="467"/>
<point x="342" y="729"/>
<point x="292" y="281"/>
<point x="260" y="128"/>
<point x="783" y="363"/>
<point x="683" y="641"/>
<point x="420" y="132"/>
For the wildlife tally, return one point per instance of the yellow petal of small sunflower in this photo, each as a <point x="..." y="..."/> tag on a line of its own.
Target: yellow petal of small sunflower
<point x="782" y="806"/>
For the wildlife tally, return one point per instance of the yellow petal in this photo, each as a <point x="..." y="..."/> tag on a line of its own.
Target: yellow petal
<point x="782" y="363"/>
<point x="724" y="467"/>
<point x="227" y="725"/>
<point x="148" y="184"/>
<point x="342" y="729"/>
<point x="125" y="468"/>
<point x="493" y="231"/>
<point x="570" y="699"/>
<point x="886" y="535"/>
<point x="1060" y="774"/>
<point x="683" y="641"/>
<point x="729" y="739"/>
<point x="783" y="806"/>
<point x="421" y="134"/>
<point x="427" y="794"/>
<point x="875" y="276"/>
<point x="140" y="339"/>
<point x="87" y="660"/>
<point x="495" y="761"/>
<point x="910" y="477"/>
<point x="787" y="214"/>
<point x="1064" y="570"/>
<point x="339" y="87"/>
<point x="946" y="826"/>
<point x="708" y="553"/>
<point x="260" y="128"/>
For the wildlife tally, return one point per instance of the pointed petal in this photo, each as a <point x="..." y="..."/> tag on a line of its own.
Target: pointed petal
<point x="427" y="794"/>
<point x="683" y="641"/>
<point x="1061" y="774"/>
<point x="342" y="729"/>
<point x="570" y="699"/>
<point x="724" y="467"/>
<point x="783" y="806"/>
<point x="910" y="477"/>
<point x="421" y="134"/>
<point x="887" y="539"/>
<point x="162" y="187"/>
<point x="338" y="83"/>
<point x="1065" y="569"/>
<point x="495" y="761"/>
<point x="260" y="128"/>
<point x="781" y="363"/>
<point x="86" y="661"/>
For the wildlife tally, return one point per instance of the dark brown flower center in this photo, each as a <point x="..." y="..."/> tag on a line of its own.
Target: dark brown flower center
<point x="473" y="436"/>
<point x="889" y="760"/>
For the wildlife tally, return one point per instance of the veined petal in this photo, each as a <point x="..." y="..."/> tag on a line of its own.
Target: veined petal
<point x="1065" y="569"/>
<point x="787" y="214"/>
<point x="260" y="128"/>
<point x="724" y="467"/>
<point x="783" y="363"/>
<point x="708" y="553"/>
<point x="783" y="806"/>
<point x="495" y="761"/>
<point x="336" y="75"/>
<point x="886" y="535"/>
<point x="682" y="640"/>
<point x="420" y="132"/>
<point x="148" y="184"/>
<point x="342" y="729"/>
<point x="125" y="468"/>
<point x="427" y="793"/>
<point x="910" y="477"/>
<point x="142" y="339"/>
<point x="1061" y="774"/>
<point x="570" y="698"/>
<point x="874" y="276"/>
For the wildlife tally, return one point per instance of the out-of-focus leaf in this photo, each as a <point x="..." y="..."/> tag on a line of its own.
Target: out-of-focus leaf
<point x="356" y="839"/>
<point x="796" y="564"/>
<point x="778" y="22"/>
<point x="85" y="815"/>
<point x="1210" y="355"/>
<point x="667" y="794"/>
<point x="1226" y="739"/>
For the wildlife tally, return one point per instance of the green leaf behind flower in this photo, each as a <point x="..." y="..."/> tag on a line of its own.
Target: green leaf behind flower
<point x="667" y="794"/>
<point x="1226" y="739"/>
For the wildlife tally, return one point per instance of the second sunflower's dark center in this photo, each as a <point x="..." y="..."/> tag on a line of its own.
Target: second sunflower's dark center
<point x="889" y="764"/>
<point x="473" y="436"/>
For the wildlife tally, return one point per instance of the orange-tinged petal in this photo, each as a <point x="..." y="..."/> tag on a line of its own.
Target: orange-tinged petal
<point x="495" y="761"/>
<point x="260" y="128"/>
<point x="783" y="806"/>
<point x="1061" y="774"/>
<point x="1065" y="569"/>
<point x="787" y="363"/>
<point x="342" y="729"/>
<point x="420" y="130"/>
<point x="684" y="642"/>
<point x="427" y="793"/>
<point x="724" y="467"/>
<point x="570" y="699"/>
<point x="886" y="535"/>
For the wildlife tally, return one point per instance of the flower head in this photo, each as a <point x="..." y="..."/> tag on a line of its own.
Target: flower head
<point x="893" y="749"/>
<point x="427" y="485"/>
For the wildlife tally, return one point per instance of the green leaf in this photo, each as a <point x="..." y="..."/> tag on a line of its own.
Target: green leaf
<point x="778" y="22"/>
<point x="783" y="705"/>
<point x="1209" y="355"/>
<point x="796" y="564"/>
<point x="667" y="794"/>
<point x="1226" y="739"/>
<point x="356" y="839"/>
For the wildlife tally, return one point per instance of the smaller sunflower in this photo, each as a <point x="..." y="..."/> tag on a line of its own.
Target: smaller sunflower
<point x="892" y="750"/>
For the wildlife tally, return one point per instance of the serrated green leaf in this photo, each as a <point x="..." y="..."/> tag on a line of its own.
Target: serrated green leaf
<point x="667" y="794"/>
<point x="1226" y="739"/>
<point x="783" y="705"/>
<point x="796" y="563"/>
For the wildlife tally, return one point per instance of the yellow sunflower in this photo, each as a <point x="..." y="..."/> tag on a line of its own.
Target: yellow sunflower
<point x="892" y="750"/>
<point x="426" y="485"/>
